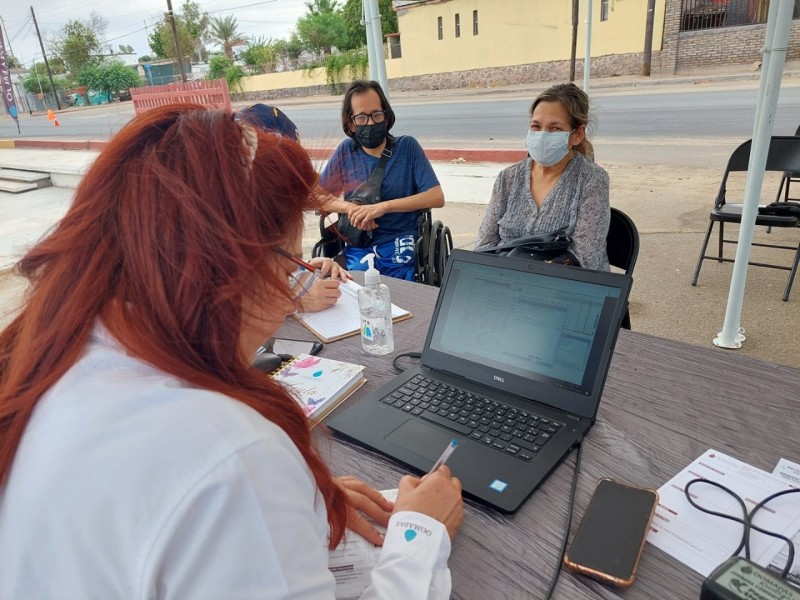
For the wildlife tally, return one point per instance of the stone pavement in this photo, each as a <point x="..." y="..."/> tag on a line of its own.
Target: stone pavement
<point x="668" y="203"/>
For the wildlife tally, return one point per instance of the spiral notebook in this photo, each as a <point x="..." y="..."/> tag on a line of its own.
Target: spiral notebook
<point x="319" y="384"/>
<point x="343" y="318"/>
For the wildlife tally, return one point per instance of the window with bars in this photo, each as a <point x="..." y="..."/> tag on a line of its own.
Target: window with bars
<point x="474" y="22"/>
<point x="458" y="25"/>
<point x="604" y="10"/>
<point x="710" y="14"/>
<point x="441" y="28"/>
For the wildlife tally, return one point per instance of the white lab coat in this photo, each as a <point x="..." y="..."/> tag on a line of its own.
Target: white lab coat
<point x="130" y="484"/>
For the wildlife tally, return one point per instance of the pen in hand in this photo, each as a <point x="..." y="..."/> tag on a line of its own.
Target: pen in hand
<point x="445" y="455"/>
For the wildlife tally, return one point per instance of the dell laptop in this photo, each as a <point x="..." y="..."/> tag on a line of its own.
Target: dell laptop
<point x="513" y="367"/>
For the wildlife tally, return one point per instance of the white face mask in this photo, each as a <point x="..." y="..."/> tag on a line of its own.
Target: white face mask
<point x="547" y="147"/>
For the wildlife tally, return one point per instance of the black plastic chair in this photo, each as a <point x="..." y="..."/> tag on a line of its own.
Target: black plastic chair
<point x="783" y="156"/>
<point x="622" y="246"/>
<point x="789" y="177"/>
<point x="431" y="250"/>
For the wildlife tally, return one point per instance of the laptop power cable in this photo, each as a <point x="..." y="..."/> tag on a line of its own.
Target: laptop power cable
<point x="739" y="577"/>
<point x="570" y="508"/>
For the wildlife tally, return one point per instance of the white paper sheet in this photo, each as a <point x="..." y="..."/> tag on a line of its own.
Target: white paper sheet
<point x="702" y="541"/>
<point x="352" y="562"/>
<point x="789" y="472"/>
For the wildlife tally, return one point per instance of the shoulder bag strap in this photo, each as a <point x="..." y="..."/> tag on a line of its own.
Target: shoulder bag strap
<point x="376" y="177"/>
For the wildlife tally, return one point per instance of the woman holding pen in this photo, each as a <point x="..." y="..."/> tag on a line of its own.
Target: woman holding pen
<point x="142" y="456"/>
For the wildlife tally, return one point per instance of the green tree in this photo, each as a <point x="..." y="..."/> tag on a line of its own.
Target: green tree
<point x="222" y="67"/>
<point x="78" y="43"/>
<point x="352" y="12"/>
<point x="111" y="78"/>
<point x="145" y="59"/>
<point x="260" y="55"/>
<point x="320" y="32"/>
<point x="162" y="41"/>
<point x="225" y="31"/>
<point x="197" y="24"/>
<point x="125" y="49"/>
<point x="37" y="81"/>
<point x="14" y="63"/>
<point x="288" y="51"/>
<point x="320" y="7"/>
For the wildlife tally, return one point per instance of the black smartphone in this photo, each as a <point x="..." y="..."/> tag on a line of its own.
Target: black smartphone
<point x="292" y="347"/>
<point x="611" y="535"/>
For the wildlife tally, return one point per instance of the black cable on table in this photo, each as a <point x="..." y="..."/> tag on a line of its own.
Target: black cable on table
<point x="554" y="580"/>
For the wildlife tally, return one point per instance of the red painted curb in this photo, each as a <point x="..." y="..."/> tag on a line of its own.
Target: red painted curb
<point x="436" y="154"/>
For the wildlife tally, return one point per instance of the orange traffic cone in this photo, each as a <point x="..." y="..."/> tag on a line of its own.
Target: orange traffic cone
<point x="56" y="123"/>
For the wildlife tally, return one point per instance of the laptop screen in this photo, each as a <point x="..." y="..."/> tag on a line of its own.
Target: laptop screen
<point x="537" y="330"/>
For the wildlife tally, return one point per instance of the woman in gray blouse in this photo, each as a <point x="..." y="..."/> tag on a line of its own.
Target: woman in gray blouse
<point x="558" y="186"/>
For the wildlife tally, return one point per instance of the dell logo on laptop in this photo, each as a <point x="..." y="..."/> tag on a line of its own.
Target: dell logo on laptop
<point x="498" y="378"/>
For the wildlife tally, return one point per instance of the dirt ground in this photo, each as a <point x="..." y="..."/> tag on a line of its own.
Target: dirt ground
<point x="670" y="206"/>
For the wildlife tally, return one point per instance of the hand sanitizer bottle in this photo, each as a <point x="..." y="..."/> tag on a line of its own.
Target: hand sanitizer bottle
<point x="375" y="307"/>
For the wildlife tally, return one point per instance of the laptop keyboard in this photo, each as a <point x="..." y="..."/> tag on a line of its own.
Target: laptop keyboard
<point x="519" y="433"/>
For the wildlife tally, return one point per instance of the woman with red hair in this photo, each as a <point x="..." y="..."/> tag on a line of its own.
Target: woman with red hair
<point x="140" y="454"/>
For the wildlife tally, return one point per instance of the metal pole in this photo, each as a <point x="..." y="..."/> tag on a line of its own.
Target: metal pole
<point x="587" y="62"/>
<point x="778" y="23"/>
<point x="46" y="64"/>
<point x="178" y="50"/>
<point x="373" y="18"/>
<point x="372" y="58"/>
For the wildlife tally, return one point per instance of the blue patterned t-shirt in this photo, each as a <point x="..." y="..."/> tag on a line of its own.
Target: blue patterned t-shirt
<point x="408" y="172"/>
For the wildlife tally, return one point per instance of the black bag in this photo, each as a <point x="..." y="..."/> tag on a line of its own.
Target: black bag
<point x="368" y="192"/>
<point x="781" y="209"/>
<point x="551" y="246"/>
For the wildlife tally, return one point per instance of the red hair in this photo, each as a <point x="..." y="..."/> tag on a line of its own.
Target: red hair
<point x="167" y="232"/>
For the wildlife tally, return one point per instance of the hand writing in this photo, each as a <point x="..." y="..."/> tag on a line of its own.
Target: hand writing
<point x="438" y="496"/>
<point x="365" y="500"/>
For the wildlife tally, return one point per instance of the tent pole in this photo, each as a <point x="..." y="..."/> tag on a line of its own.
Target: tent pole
<point x="779" y="22"/>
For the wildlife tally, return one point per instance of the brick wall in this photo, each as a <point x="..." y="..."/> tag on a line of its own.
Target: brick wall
<point x="684" y="50"/>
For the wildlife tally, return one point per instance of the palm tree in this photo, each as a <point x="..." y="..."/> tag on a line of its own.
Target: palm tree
<point x="225" y="31"/>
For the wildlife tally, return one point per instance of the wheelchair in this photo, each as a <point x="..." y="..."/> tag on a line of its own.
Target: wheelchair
<point x="432" y="248"/>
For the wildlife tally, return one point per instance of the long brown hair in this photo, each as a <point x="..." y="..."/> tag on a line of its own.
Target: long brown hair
<point x="168" y="230"/>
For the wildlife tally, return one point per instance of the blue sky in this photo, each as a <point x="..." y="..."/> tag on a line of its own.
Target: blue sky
<point x="129" y="21"/>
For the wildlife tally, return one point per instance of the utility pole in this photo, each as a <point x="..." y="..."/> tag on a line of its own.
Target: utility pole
<point x="574" y="51"/>
<point x="177" y="41"/>
<point x="587" y="62"/>
<point x="648" y="37"/>
<point x="8" y="39"/>
<point x="377" y="61"/>
<point x="46" y="64"/>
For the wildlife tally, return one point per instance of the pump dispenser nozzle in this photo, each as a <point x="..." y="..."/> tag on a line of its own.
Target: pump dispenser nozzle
<point x="372" y="276"/>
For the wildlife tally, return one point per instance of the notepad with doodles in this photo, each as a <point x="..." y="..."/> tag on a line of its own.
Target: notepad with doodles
<point x="319" y="384"/>
<point x="342" y="319"/>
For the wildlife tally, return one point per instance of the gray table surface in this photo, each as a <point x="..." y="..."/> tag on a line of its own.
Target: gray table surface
<point x="664" y="404"/>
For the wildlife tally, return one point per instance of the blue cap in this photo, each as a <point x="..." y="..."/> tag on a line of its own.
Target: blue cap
<point x="269" y="118"/>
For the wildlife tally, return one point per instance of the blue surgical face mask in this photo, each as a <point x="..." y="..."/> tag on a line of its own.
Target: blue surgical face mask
<point x="547" y="147"/>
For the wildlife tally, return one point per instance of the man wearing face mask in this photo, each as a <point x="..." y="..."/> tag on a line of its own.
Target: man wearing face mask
<point x="557" y="187"/>
<point x="409" y="183"/>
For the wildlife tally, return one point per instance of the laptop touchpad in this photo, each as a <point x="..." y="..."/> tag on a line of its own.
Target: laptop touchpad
<point x="421" y="439"/>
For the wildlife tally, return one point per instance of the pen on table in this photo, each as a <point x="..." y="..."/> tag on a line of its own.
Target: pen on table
<point x="445" y="455"/>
